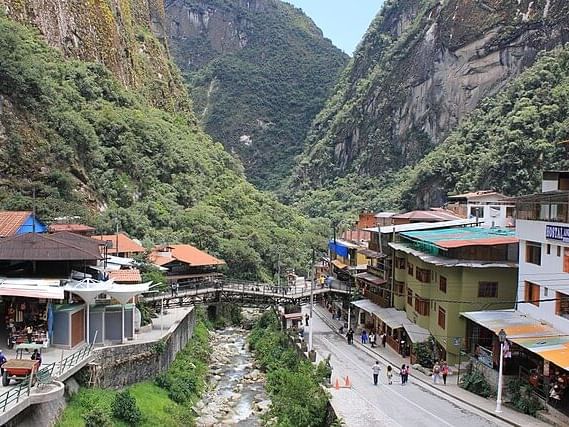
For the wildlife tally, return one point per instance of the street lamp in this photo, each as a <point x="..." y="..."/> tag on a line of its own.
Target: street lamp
<point x="502" y="339"/>
<point x="312" y="273"/>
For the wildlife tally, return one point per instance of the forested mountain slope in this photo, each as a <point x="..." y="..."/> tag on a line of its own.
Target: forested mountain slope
<point x="422" y="66"/>
<point x="259" y="72"/>
<point x="91" y="147"/>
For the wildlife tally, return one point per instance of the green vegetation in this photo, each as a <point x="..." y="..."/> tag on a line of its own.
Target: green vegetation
<point x="166" y="401"/>
<point x="521" y="397"/>
<point x="94" y="407"/>
<point x="293" y="383"/>
<point x="268" y="81"/>
<point x="72" y="132"/>
<point x="475" y="382"/>
<point x="124" y="408"/>
<point x="185" y="380"/>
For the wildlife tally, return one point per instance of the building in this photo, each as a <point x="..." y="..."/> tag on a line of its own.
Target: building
<point x="433" y="215"/>
<point x="120" y="245"/>
<point x="443" y="272"/>
<point x="82" y="229"/>
<point x="186" y="264"/>
<point x="494" y="209"/>
<point x="14" y="223"/>
<point x="347" y="259"/>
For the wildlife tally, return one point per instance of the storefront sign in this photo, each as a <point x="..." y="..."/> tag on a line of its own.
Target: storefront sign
<point x="557" y="232"/>
<point x="485" y="357"/>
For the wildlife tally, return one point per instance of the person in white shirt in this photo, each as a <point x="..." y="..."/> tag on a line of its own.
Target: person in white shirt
<point x="375" y="369"/>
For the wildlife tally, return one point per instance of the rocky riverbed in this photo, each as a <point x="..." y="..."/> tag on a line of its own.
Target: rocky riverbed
<point x="236" y="394"/>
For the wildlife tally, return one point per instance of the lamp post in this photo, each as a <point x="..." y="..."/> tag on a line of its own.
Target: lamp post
<point x="502" y="339"/>
<point x="312" y="273"/>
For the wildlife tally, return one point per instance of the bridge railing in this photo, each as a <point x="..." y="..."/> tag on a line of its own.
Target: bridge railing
<point x="23" y="389"/>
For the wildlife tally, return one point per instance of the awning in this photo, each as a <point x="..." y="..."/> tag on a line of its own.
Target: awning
<point x="371" y="254"/>
<point x="371" y="278"/>
<point x="31" y="291"/>
<point x="416" y="333"/>
<point x="390" y="316"/>
<point x="339" y="264"/>
<point x="537" y="337"/>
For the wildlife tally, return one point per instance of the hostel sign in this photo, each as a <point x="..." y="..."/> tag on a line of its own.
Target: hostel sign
<point x="557" y="232"/>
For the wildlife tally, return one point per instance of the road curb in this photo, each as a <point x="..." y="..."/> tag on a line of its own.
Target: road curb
<point x="421" y="382"/>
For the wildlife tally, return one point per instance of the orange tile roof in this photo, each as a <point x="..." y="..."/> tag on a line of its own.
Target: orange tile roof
<point x="11" y="221"/>
<point x="449" y="244"/>
<point x="126" y="244"/>
<point x="184" y="253"/>
<point x="126" y="276"/>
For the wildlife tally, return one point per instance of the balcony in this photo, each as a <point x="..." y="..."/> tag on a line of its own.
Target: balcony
<point x="376" y="271"/>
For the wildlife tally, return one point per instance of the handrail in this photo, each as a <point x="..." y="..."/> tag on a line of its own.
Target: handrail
<point x="23" y="389"/>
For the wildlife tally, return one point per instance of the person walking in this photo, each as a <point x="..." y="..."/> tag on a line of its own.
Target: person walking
<point x="37" y="356"/>
<point x="383" y="339"/>
<point x="389" y="374"/>
<point x="402" y="373"/>
<point x="176" y="287"/>
<point x="364" y="337"/>
<point x="436" y="372"/>
<point x="375" y="369"/>
<point x="306" y="319"/>
<point x="172" y="289"/>
<point x="29" y="333"/>
<point x="444" y="372"/>
<point x="350" y="336"/>
<point x="372" y="339"/>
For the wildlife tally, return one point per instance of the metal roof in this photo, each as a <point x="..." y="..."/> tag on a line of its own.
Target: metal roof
<point x="450" y="262"/>
<point x="538" y="337"/>
<point x="62" y="246"/>
<point x="463" y="236"/>
<point x="386" y="229"/>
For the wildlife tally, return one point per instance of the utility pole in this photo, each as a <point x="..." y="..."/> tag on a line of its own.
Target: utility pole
<point x="349" y="296"/>
<point x="117" y="238"/>
<point x="279" y="272"/>
<point x="313" y="274"/>
<point x="33" y="209"/>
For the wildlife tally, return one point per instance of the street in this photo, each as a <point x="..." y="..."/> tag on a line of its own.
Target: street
<point x="385" y="405"/>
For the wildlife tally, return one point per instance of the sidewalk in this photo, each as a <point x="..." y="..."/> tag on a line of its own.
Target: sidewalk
<point x="450" y="392"/>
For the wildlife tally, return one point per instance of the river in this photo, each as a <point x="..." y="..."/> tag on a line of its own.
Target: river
<point x="236" y="394"/>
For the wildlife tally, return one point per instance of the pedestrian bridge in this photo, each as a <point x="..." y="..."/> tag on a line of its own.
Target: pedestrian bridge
<point x="243" y="293"/>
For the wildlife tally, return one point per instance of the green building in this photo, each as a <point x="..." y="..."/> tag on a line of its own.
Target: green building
<point x="440" y="273"/>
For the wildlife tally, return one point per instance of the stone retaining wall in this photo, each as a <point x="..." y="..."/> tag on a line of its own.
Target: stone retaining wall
<point x="127" y="364"/>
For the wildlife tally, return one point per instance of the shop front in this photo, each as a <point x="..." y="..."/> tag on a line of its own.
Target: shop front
<point x="26" y="305"/>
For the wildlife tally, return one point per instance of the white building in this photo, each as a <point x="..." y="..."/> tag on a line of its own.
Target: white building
<point x="542" y="226"/>
<point x="494" y="209"/>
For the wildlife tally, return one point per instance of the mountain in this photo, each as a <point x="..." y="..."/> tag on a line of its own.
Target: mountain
<point x="94" y="139"/>
<point x="259" y="72"/>
<point x="420" y="69"/>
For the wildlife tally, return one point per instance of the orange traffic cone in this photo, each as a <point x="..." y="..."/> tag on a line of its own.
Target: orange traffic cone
<point x="337" y="384"/>
<point x="348" y="383"/>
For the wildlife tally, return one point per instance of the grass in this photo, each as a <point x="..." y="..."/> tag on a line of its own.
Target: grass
<point x="156" y="407"/>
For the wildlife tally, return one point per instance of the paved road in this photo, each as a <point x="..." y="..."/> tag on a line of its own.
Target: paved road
<point x="386" y="405"/>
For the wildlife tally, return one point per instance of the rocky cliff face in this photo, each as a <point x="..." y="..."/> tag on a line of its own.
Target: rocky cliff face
<point x="259" y="72"/>
<point x="422" y="66"/>
<point x="127" y="36"/>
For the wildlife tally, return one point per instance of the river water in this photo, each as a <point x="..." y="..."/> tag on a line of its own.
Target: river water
<point x="236" y="395"/>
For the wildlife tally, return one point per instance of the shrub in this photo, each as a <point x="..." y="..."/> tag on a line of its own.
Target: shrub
<point x="522" y="399"/>
<point x="97" y="417"/>
<point x="475" y="382"/>
<point x="124" y="408"/>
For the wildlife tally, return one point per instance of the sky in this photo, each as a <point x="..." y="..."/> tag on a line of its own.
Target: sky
<point x="341" y="20"/>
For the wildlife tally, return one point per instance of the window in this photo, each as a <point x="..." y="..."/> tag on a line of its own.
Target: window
<point x="566" y="260"/>
<point x="422" y="306"/>
<point x="533" y="252"/>
<point x="558" y="250"/>
<point x="548" y="249"/>
<point x="487" y="289"/>
<point x="409" y="268"/>
<point x="443" y="284"/>
<point x="442" y="317"/>
<point x="400" y="263"/>
<point x="423" y="275"/>
<point x="399" y="288"/>
<point x="562" y="305"/>
<point x="532" y="293"/>
<point x="477" y="212"/>
<point x="545" y="292"/>
<point x="410" y="297"/>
